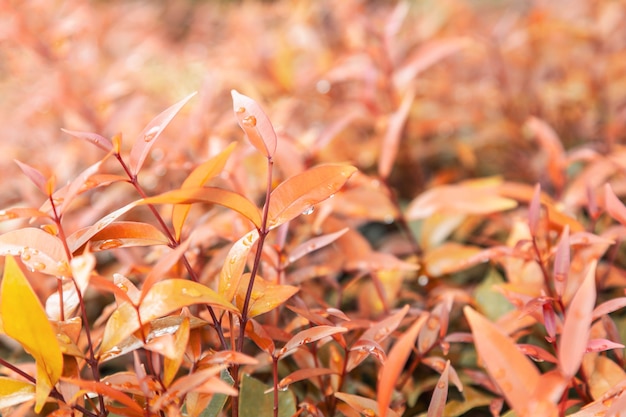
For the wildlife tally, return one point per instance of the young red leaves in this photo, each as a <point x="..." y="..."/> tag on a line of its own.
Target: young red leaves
<point x="253" y="120"/>
<point x="25" y="320"/>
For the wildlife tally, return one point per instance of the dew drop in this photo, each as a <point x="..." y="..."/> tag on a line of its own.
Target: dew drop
<point x="441" y="385"/>
<point x="63" y="338"/>
<point x="151" y="134"/>
<point x="506" y="386"/>
<point x="249" y="121"/>
<point x="559" y="277"/>
<point x="122" y="287"/>
<point x="191" y="292"/>
<point x="499" y="373"/>
<point x="388" y="219"/>
<point x="26" y="255"/>
<point x="433" y="322"/>
<point x="422" y="280"/>
<point x="38" y="266"/>
<point x="368" y="412"/>
<point x="110" y="244"/>
<point x="7" y="215"/>
<point x="309" y="211"/>
<point x="241" y="110"/>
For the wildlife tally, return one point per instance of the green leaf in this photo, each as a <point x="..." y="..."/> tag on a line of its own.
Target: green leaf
<point x="219" y="400"/>
<point x="25" y="320"/>
<point x="255" y="402"/>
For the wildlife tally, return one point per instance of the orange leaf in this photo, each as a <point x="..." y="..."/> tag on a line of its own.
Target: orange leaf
<point x="301" y="192"/>
<point x="391" y="141"/>
<point x="171" y="365"/>
<point x="34" y="175"/>
<point x="301" y="374"/>
<point x="314" y="244"/>
<point x="551" y="144"/>
<point x="511" y="370"/>
<point x="256" y="333"/>
<point x="235" y="264"/>
<point x="211" y="195"/>
<point x="392" y="368"/>
<point x="151" y="132"/>
<point x="253" y="120"/>
<point x="162" y="298"/>
<point x="613" y="205"/>
<point x="198" y="177"/>
<point x="470" y="197"/>
<point x="440" y="395"/>
<point x="265" y="295"/>
<point x="106" y="390"/>
<point x="451" y="257"/>
<point x="576" y="328"/>
<point x="38" y="250"/>
<point x="25" y="320"/>
<point x="163" y="266"/>
<point x="127" y="234"/>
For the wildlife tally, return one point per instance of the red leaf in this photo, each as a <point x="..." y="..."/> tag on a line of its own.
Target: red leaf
<point x="534" y="211"/>
<point x="391" y="141"/>
<point x="562" y="262"/>
<point x="310" y="335"/>
<point x="151" y="132"/>
<point x="301" y="374"/>
<point x="576" y="328"/>
<point x="104" y="389"/>
<point x="253" y="120"/>
<point x="613" y="205"/>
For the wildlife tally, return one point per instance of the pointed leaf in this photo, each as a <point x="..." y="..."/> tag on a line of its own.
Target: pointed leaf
<point x="100" y="141"/>
<point x="198" y="177"/>
<point x="171" y="365"/>
<point x="391" y="141"/>
<point x="14" y="392"/>
<point x="509" y="368"/>
<point x="34" y="175"/>
<point x="301" y="192"/>
<point x="440" y="395"/>
<point x="163" y="298"/>
<point x="265" y="295"/>
<point x="534" y="211"/>
<point x="552" y="146"/>
<point x="303" y="374"/>
<point x="601" y="345"/>
<point x="253" y="120"/>
<point x="381" y="330"/>
<point x="77" y="239"/>
<point x="310" y="335"/>
<point x="314" y="244"/>
<point x="471" y="197"/>
<point x="210" y="195"/>
<point x="234" y="265"/>
<point x="21" y="212"/>
<point x="163" y="266"/>
<point x="577" y="325"/>
<point x="151" y="132"/>
<point x="613" y="205"/>
<point x="25" y="320"/>
<point x="256" y="333"/>
<point x="126" y="234"/>
<point x="392" y="368"/>
<point x="38" y="250"/>
<point x="562" y="262"/>
<point x="106" y="390"/>
<point x="365" y="406"/>
<point x="608" y="307"/>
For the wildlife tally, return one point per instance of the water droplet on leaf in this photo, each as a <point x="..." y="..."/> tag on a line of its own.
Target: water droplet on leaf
<point x="241" y="110"/>
<point x="110" y="244"/>
<point x="151" y="134"/>
<point x="309" y="211"/>
<point x="7" y="215"/>
<point x="249" y="121"/>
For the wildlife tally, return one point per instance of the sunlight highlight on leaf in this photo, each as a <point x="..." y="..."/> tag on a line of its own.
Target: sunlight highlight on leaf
<point x="234" y="265"/>
<point x="14" y="392"/>
<point x="127" y="234"/>
<point x="38" y="250"/>
<point x="25" y="320"/>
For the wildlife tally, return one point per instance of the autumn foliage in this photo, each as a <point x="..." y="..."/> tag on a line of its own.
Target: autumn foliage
<point x="293" y="208"/>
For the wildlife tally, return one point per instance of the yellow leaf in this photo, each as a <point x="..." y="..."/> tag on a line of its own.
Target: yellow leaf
<point x="24" y="319"/>
<point x="265" y="296"/>
<point x="162" y="298"/>
<point x="198" y="177"/>
<point x="171" y="365"/>
<point x="235" y="264"/>
<point x="13" y="392"/>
